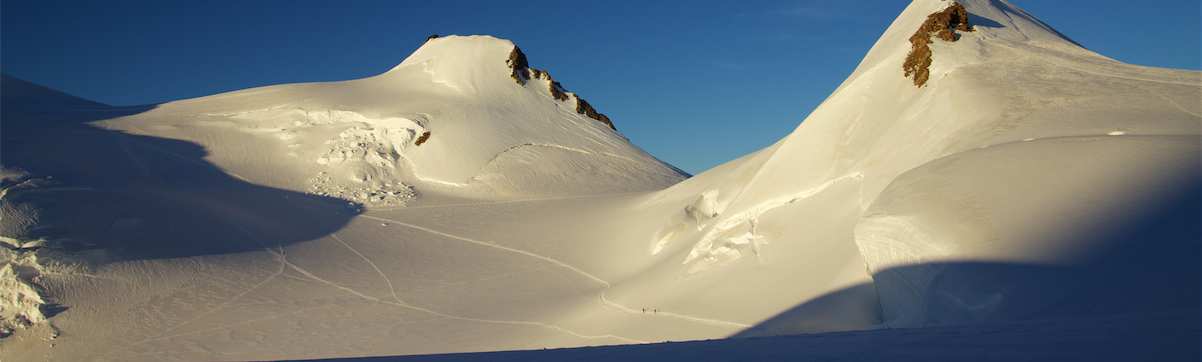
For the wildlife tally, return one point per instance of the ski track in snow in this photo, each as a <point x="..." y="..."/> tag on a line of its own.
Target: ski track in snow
<point x="556" y="146"/>
<point x="400" y="302"/>
<point x="475" y="178"/>
<point x="457" y="317"/>
<point x="561" y="264"/>
<point x="1174" y="103"/>
<point x="164" y="334"/>
<point x="514" y="201"/>
<point x="285" y="264"/>
<point x="213" y="309"/>
<point x="391" y="288"/>
<point x="491" y="245"/>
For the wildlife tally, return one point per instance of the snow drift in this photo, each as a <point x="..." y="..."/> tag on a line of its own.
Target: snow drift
<point x="448" y="121"/>
<point x="1025" y="178"/>
<point x="1106" y="138"/>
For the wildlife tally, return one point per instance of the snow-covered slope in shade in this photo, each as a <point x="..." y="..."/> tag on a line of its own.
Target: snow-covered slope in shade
<point x="463" y="116"/>
<point x="1024" y="177"/>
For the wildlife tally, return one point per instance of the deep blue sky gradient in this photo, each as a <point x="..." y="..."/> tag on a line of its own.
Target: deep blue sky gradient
<point x="695" y="83"/>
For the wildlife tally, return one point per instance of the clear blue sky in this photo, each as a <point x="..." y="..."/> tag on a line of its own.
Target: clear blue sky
<point x="696" y="83"/>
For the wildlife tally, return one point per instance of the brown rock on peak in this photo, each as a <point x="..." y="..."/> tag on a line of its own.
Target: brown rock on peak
<point x="942" y="25"/>
<point x="557" y="91"/>
<point x="586" y="109"/>
<point x="425" y="136"/>
<point x="518" y="64"/>
<point x="521" y="72"/>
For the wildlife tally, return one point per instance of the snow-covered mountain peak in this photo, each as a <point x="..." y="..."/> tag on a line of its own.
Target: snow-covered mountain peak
<point x="992" y="21"/>
<point x="1002" y="78"/>
<point x="463" y="117"/>
<point x="482" y="65"/>
<point x="464" y="201"/>
<point x="468" y="63"/>
<point x="467" y="50"/>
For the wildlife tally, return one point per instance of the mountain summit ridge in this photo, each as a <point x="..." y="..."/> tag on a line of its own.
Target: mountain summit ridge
<point x="1008" y="90"/>
<point x="450" y="119"/>
<point x="462" y="61"/>
<point x="460" y="202"/>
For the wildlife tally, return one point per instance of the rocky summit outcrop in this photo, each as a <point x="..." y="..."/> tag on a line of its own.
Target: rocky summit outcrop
<point x="519" y="66"/>
<point x="425" y="136"/>
<point x="586" y="109"/>
<point x="521" y="72"/>
<point x="942" y="25"/>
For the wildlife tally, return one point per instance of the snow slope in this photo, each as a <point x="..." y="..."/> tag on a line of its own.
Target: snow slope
<point x="1159" y="337"/>
<point x="1053" y="147"/>
<point x="449" y="120"/>
<point x="1028" y="178"/>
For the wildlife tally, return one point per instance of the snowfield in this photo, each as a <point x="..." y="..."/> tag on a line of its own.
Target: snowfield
<point x="465" y="202"/>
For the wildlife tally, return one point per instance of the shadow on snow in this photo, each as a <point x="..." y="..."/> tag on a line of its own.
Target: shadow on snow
<point x="141" y="197"/>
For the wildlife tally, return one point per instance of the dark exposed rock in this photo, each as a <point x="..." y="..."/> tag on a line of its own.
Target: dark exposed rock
<point x="422" y="139"/>
<point x="432" y="37"/>
<point x="586" y="109"/>
<point x="557" y="91"/>
<point x="942" y="25"/>
<point x="521" y="72"/>
<point x="518" y="65"/>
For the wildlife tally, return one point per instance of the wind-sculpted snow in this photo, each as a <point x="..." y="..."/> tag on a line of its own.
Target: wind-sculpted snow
<point x="1013" y="83"/>
<point x="21" y="301"/>
<point x="461" y="202"/>
<point x="21" y="298"/>
<point x="728" y="237"/>
<point x="982" y="206"/>
<point x="432" y="126"/>
<point x="359" y="163"/>
<point x="24" y="301"/>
